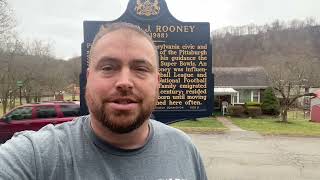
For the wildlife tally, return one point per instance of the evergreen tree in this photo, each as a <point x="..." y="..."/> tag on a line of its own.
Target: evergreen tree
<point x="270" y="104"/>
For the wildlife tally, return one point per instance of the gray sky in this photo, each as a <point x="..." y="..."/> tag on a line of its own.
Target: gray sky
<point x="60" y="21"/>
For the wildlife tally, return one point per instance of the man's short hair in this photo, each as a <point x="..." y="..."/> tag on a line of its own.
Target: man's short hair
<point x="108" y="28"/>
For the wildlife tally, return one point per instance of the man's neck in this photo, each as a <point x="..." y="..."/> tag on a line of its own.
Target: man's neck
<point x="132" y="140"/>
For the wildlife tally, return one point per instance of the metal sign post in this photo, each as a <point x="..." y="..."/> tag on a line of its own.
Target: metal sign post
<point x="20" y="84"/>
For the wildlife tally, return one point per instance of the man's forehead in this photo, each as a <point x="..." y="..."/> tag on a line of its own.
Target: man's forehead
<point x="127" y="35"/>
<point x="119" y="38"/>
<point x="118" y="41"/>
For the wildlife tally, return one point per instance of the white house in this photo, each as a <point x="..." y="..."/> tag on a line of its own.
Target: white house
<point x="238" y="85"/>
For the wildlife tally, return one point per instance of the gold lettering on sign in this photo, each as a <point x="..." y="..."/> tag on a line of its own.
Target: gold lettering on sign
<point x="88" y="46"/>
<point x="183" y="71"/>
<point x="147" y="7"/>
<point x="181" y="28"/>
<point x="163" y="32"/>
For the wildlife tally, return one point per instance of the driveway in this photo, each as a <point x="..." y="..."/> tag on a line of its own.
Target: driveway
<point x="245" y="155"/>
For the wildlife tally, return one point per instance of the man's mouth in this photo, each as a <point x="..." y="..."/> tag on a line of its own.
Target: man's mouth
<point x="124" y="101"/>
<point x="123" y="104"/>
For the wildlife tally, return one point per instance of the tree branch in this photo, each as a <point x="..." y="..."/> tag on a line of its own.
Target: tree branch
<point x="298" y="96"/>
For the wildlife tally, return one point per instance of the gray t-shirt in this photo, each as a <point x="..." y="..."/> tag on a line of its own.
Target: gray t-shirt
<point x="72" y="151"/>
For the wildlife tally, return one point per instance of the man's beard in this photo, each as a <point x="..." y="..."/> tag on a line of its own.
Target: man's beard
<point x="111" y="120"/>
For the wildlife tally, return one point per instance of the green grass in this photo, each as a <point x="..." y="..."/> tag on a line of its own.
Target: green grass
<point x="69" y="98"/>
<point x="297" y="126"/>
<point x="202" y="125"/>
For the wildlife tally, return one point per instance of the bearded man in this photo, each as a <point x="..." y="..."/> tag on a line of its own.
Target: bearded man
<point x="117" y="140"/>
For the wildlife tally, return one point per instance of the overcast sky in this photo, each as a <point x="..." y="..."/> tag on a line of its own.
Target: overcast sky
<point x="60" y="21"/>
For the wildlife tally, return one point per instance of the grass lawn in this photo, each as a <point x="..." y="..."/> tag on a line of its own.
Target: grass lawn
<point x="297" y="126"/>
<point x="202" y="125"/>
<point x="69" y="98"/>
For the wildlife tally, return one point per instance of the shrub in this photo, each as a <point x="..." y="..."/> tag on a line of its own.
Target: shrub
<point x="253" y="111"/>
<point x="237" y="110"/>
<point x="270" y="104"/>
<point x="247" y="104"/>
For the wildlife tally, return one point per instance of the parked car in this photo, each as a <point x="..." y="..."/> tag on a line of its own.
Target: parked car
<point x="35" y="116"/>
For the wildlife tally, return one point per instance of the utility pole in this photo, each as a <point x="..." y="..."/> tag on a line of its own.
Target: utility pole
<point x="20" y="84"/>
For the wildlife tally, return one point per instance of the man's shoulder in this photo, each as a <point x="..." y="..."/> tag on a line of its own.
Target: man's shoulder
<point x="40" y="150"/>
<point x="174" y="140"/>
<point x="165" y="128"/>
<point x="50" y="132"/>
<point x="166" y="131"/>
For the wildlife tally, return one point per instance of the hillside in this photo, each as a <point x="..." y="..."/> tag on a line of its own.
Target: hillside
<point x="275" y="45"/>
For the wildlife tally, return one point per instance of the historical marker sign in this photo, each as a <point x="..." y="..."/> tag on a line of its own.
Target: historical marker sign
<point x="185" y="54"/>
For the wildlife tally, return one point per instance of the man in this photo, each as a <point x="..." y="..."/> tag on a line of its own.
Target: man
<point x="117" y="140"/>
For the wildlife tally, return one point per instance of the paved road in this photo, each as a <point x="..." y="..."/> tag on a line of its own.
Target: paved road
<point x="244" y="155"/>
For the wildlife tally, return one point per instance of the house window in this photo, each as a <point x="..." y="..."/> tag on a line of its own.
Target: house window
<point x="244" y="95"/>
<point x="255" y="95"/>
<point x="235" y="98"/>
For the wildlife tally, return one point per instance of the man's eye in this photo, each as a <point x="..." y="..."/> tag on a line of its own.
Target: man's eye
<point x="142" y="69"/>
<point x="107" y="68"/>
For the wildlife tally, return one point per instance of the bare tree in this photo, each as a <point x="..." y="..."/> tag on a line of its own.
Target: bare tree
<point x="7" y="20"/>
<point x="55" y="79"/>
<point x="73" y="73"/>
<point x="8" y="74"/>
<point x="40" y="48"/>
<point x="289" y="81"/>
<point x="9" y="46"/>
<point x="38" y="53"/>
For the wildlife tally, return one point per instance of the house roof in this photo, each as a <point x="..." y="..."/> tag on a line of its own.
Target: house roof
<point x="224" y="91"/>
<point x="240" y="77"/>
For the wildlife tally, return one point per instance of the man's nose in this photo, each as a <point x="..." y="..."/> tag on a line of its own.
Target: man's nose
<point x="124" y="80"/>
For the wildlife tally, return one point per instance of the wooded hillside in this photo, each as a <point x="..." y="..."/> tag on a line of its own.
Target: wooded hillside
<point x="275" y="46"/>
